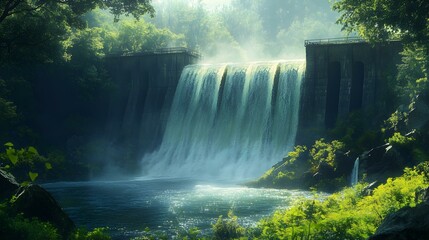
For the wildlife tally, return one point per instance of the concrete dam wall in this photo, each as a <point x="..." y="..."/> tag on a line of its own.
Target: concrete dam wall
<point x="344" y="75"/>
<point x="144" y="89"/>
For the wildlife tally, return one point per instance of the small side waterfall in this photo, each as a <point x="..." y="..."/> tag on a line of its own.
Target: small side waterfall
<point x="355" y="173"/>
<point x="229" y="120"/>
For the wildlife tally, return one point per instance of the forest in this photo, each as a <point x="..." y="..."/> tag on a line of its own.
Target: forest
<point x="54" y="104"/>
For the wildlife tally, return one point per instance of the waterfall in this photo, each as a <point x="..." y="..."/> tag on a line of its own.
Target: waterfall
<point x="355" y="173"/>
<point x="229" y="120"/>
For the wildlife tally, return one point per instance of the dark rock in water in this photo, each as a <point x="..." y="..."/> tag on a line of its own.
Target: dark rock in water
<point x="8" y="185"/>
<point x="406" y="224"/>
<point x="34" y="201"/>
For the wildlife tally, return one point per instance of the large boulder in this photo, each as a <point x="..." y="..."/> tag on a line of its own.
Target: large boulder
<point x="383" y="162"/>
<point x="406" y="224"/>
<point x="8" y="185"/>
<point x="34" y="201"/>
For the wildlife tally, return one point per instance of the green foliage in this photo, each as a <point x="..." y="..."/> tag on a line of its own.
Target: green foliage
<point x="96" y="234"/>
<point x="192" y="234"/>
<point x="355" y="132"/>
<point x="412" y="78"/>
<point x="399" y="140"/>
<point x="18" y="227"/>
<point x="25" y="163"/>
<point x="34" y="36"/>
<point x="286" y="173"/>
<point x="137" y="36"/>
<point x="292" y="156"/>
<point x="46" y="45"/>
<point x="395" y="122"/>
<point x="325" y="152"/>
<point x="136" y="8"/>
<point x="228" y="228"/>
<point x="349" y="214"/>
<point x="378" y="20"/>
<point x="292" y="171"/>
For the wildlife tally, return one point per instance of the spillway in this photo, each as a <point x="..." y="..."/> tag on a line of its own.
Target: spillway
<point x="229" y="120"/>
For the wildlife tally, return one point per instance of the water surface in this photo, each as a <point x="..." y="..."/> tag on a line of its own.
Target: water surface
<point x="166" y="205"/>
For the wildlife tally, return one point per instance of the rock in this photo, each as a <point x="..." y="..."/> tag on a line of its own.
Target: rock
<point x="383" y="162"/>
<point x="344" y="164"/>
<point x="34" y="201"/>
<point x="367" y="190"/>
<point x="419" y="114"/>
<point x="407" y="224"/>
<point x="324" y="171"/>
<point x="8" y="185"/>
<point x="423" y="195"/>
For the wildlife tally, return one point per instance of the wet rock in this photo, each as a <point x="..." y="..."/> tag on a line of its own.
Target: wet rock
<point x="34" y="201"/>
<point x="406" y="224"/>
<point x="8" y="185"/>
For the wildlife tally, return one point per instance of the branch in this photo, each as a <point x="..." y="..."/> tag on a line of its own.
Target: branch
<point x="8" y="8"/>
<point x="11" y="5"/>
<point x="30" y="9"/>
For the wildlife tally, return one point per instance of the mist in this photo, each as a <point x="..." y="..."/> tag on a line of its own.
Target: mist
<point x="244" y="30"/>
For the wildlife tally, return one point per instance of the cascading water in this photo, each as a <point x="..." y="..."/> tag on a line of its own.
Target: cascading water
<point x="232" y="121"/>
<point x="355" y="173"/>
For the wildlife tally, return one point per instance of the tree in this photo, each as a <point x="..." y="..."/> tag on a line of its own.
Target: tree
<point x="136" y="8"/>
<point x="37" y="31"/>
<point x="383" y="19"/>
<point x="380" y="20"/>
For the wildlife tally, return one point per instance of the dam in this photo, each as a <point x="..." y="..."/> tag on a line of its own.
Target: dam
<point x="183" y="118"/>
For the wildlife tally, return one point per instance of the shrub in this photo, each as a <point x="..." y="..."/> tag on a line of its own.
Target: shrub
<point x="18" y="227"/>
<point x="324" y="152"/>
<point x="399" y="140"/>
<point x="96" y="234"/>
<point x="349" y="214"/>
<point x="228" y="228"/>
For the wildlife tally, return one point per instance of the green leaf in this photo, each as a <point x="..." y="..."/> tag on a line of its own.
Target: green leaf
<point x="11" y="154"/>
<point x="33" y="176"/>
<point x="24" y="184"/>
<point x="33" y="150"/>
<point x="8" y="144"/>
<point x="48" y="166"/>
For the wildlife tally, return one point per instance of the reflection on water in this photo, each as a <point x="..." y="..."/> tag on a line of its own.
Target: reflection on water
<point x="168" y="205"/>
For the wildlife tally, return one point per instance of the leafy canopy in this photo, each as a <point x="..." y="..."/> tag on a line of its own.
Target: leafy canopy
<point x="136" y="8"/>
<point x="383" y="19"/>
